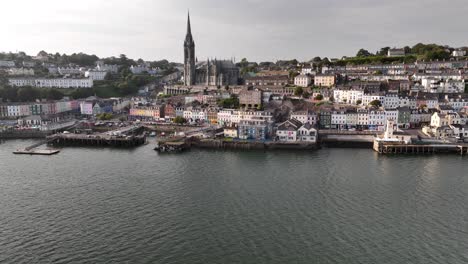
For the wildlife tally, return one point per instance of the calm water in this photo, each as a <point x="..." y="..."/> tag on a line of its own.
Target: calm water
<point x="330" y="206"/>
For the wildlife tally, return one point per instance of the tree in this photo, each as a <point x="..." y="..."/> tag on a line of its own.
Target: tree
<point x="407" y="49"/>
<point x="298" y="91"/>
<point x="358" y="102"/>
<point x="383" y="51"/>
<point x="54" y="94"/>
<point x="180" y="120"/>
<point x="293" y="74"/>
<point x="316" y="59"/>
<point x="319" y="97"/>
<point x="27" y="94"/>
<point x="376" y="103"/>
<point x="306" y="95"/>
<point x="363" y="53"/>
<point x="232" y="102"/>
<point x="105" y="116"/>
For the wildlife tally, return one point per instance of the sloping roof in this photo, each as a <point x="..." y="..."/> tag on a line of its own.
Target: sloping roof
<point x="290" y="125"/>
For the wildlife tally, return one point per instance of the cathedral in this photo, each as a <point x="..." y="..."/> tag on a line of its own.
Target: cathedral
<point x="210" y="72"/>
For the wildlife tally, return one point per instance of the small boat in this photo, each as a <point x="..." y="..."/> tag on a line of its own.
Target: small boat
<point x="152" y="134"/>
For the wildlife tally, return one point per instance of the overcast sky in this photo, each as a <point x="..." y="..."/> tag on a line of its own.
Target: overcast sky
<point x="260" y="30"/>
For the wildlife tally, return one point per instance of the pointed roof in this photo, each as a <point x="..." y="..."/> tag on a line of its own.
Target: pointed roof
<point x="188" y="36"/>
<point x="189" y="28"/>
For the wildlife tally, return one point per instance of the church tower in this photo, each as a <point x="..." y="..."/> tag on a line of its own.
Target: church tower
<point x="189" y="56"/>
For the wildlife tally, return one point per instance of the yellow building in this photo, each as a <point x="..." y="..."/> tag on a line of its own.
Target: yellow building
<point x="324" y="80"/>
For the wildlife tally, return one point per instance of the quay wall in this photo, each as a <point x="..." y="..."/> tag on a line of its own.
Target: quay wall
<point x="24" y="134"/>
<point x="251" y="145"/>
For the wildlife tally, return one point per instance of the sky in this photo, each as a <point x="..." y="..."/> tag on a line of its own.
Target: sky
<point x="258" y="30"/>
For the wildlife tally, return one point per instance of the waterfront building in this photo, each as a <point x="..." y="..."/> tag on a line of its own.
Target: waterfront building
<point x="254" y="129"/>
<point x="325" y="119"/>
<point x="338" y="119"/>
<point x="307" y="133"/>
<point x="352" y="118"/>
<point x="404" y="117"/>
<point x="287" y="131"/>
<point x="377" y="120"/>
<point x="231" y="132"/>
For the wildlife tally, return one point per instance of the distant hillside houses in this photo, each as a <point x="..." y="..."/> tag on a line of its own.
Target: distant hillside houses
<point x="4" y="63"/>
<point x="20" y="71"/>
<point x="64" y="83"/>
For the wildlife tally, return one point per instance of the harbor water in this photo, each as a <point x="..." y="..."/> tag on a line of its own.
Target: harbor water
<point x="95" y="205"/>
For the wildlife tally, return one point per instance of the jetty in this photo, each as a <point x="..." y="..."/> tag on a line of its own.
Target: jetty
<point x="33" y="150"/>
<point x="400" y="143"/>
<point x="42" y="152"/>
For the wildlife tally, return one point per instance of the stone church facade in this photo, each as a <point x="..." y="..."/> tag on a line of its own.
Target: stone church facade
<point x="210" y="72"/>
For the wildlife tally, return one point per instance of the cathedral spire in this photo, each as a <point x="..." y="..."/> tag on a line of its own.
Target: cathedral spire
<point x="189" y="28"/>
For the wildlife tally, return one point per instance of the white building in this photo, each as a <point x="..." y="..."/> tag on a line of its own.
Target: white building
<point x="352" y="118"/>
<point x="350" y="96"/>
<point x="459" y="53"/>
<point x="391" y="114"/>
<point x="225" y="117"/>
<point x="52" y="83"/>
<point x="96" y="75"/>
<point x="112" y="68"/>
<point x="5" y="63"/>
<point x="287" y="131"/>
<point x="391" y="101"/>
<point x="396" y="52"/>
<point x="21" y="71"/>
<point x="305" y="117"/>
<point x="307" y="133"/>
<point x="338" y="119"/>
<point x="363" y="117"/>
<point x="377" y="119"/>
<point x="69" y="70"/>
<point x="139" y="69"/>
<point x="368" y="98"/>
<point x="307" y="70"/>
<point x="303" y="80"/>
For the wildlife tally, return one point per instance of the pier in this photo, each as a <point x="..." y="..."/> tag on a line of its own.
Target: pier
<point x="420" y="149"/>
<point x="126" y="138"/>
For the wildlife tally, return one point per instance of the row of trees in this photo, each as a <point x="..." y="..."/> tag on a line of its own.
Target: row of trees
<point x="420" y="51"/>
<point x="29" y="94"/>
